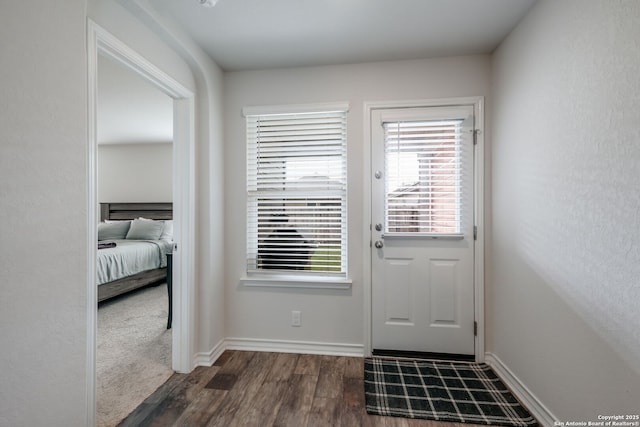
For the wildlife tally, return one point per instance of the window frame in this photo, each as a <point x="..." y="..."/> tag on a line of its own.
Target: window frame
<point x="296" y="278"/>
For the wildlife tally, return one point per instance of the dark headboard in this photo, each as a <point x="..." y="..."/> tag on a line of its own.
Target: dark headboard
<point x="116" y="211"/>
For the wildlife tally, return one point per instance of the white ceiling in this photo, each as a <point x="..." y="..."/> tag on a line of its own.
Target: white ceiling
<point x="258" y="34"/>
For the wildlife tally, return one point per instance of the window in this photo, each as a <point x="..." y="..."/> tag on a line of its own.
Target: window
<point x="296" y="192"/>
<point x="423" y="182"/>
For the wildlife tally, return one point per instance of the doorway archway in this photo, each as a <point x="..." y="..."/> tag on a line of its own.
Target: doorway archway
<point x="101" y="42"/>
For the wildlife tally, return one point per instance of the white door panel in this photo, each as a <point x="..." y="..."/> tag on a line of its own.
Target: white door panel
<point x="422" y="201"/>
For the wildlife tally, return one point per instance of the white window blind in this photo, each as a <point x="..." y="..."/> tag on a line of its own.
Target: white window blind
<point x="424" y="176"/>
<point x="296" y="192"/>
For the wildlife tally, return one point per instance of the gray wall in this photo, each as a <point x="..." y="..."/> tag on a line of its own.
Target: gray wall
<point x="135" y="172"/>
<point x="328" y="316"/>
<point x="565" y="282"/>
<point x="43" y="187"/>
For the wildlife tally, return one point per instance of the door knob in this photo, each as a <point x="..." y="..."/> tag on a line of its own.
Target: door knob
<point x="378" y="244"/>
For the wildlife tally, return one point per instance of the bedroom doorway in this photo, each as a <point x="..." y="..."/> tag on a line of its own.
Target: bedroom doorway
<point x="135" y="180"/>
<point x="101" y="45"/>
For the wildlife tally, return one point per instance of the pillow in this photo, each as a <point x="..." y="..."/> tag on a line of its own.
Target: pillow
<point x="167" y="231"/>
<point x="113" y="230"/>
<point x="145" y="229"/>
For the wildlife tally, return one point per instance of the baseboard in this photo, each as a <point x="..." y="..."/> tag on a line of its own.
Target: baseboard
<point x="303" y="347"/>
<point x="209" y="358"/>
<point x="277" y="346"/>
<point x="530" y="401"/>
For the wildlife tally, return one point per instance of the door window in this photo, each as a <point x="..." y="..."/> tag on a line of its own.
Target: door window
<point x="423" y="176"/>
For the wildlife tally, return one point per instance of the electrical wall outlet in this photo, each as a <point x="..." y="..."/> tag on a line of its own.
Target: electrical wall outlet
<point x="295" y="318"/>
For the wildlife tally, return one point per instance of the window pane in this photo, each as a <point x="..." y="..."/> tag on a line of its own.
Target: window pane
<point x="422" y="164"/>
<point x="296" y="182"/>
<point x="300" y="234"/>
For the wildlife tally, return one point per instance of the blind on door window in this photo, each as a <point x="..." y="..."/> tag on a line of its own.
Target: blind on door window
<point x="296" y="192"/>
<point x="423" y="164"/>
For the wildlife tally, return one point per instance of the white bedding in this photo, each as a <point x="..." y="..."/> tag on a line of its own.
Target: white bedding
<point x="130" y="257"/>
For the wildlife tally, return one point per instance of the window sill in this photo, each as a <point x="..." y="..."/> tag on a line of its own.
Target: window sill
<point x="285" y="281"/>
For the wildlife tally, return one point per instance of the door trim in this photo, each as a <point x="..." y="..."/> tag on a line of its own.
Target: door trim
<point x="478" y="210"/>
<point x="100" y="41"/>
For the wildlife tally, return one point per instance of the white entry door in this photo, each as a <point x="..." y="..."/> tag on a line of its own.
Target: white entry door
<point x="423" y="229"/>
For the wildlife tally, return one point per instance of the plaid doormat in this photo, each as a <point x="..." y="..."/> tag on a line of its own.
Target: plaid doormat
<point x="444" y="391"/>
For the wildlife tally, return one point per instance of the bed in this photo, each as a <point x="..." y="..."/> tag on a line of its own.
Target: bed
<point x="135" y="245"/>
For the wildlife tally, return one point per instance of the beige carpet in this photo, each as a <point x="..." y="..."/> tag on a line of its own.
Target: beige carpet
<point x="134" y="352"/>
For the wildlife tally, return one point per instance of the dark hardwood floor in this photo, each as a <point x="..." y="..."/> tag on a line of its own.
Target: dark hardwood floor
<point x="246" y="388"/>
